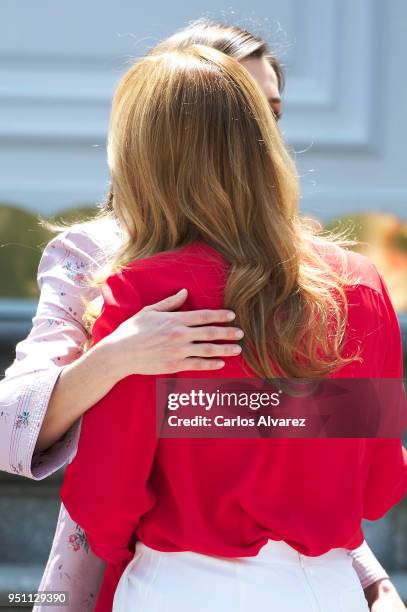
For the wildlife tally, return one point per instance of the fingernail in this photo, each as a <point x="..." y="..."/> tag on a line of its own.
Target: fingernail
<point x="239" y="334"/>
<point x="236" y="349"/>
<point x="230" y="316"/>
<point x="220" y="364"/>
<point x="181" y="290"/>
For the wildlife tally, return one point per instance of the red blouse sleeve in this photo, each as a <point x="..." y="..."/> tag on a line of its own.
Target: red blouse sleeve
<point x="104" y="488"/>
<point x="387" y="480"/>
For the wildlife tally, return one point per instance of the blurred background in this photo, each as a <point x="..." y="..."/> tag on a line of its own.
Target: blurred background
<point x="344" y="119"/>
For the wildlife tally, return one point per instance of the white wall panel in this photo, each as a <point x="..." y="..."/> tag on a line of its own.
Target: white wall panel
<point x="345" y="97"/>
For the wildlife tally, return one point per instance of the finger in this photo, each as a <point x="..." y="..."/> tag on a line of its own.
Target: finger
<point x="204" y="349"/>
<point x="212" y="332"/>
<point x="196" y="363"/>
<point x="171" y="302"/>
<point x="204" y="317"/>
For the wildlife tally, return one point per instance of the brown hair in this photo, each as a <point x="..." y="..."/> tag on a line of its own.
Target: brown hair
<point x="232" y="40"/>
<point x="194" y="152"/>
<point x="229" y="39"/>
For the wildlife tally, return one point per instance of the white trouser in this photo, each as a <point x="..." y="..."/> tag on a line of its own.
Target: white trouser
<point x="278" y="579"/>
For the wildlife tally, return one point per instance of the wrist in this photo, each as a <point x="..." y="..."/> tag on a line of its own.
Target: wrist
<point x="381" y="587"/>
<point x="105" y="357"/>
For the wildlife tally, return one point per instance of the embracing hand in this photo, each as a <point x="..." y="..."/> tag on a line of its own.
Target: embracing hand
<point x="156" y="340"/>
<point x="159" y="341"/>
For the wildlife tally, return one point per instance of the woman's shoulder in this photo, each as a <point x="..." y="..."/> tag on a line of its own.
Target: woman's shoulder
<point x="372" y="322"/>
<point x="70" y="260"/>
<point x="358" y="271"/>
<point x="99" y="234"/>
<point x="90" y="242"/>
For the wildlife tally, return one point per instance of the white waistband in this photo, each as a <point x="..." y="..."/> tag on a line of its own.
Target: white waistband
<point x="274" y="551"/>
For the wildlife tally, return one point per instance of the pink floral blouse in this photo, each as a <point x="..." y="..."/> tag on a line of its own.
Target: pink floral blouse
<point x="55" y="340"/>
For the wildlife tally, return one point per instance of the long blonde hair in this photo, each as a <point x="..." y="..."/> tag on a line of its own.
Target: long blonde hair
<point x="194" y="152"/>
<point x="233" y="40"/>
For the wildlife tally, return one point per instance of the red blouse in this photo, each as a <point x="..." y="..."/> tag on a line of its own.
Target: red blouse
<point x="226" y="497"/>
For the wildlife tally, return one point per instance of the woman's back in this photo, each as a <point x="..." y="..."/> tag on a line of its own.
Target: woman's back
<point x="227" y="497"/>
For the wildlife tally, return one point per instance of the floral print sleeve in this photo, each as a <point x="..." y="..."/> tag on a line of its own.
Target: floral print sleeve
<point x="71" y="567"/>
<point x="56" y="339"/>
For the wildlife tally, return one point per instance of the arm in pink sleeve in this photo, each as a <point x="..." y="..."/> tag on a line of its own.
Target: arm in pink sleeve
<point x="107" y="492"/>
<point x="54" y="341"/>
<point x="367" y="566"/>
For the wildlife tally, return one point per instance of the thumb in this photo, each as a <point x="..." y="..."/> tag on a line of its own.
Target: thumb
<point x="170" y="303"/>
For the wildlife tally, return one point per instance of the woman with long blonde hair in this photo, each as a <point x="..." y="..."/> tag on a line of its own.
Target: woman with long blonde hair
<point x="206" y="195"/>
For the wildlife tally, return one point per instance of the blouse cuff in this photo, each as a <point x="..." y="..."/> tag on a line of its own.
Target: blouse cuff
<point x="366" y="565"/>
<point x="23" y="460"/>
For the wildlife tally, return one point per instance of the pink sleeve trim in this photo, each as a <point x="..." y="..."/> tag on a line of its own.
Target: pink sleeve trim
<point x="30" y="410"/>
<point x="366" y="565"/>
